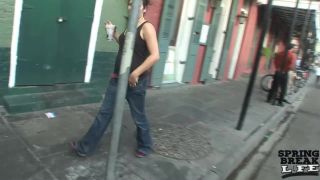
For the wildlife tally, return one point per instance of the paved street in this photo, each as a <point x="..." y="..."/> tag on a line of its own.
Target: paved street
<point x="303" y="134"/>
<point x="193" y="129"/>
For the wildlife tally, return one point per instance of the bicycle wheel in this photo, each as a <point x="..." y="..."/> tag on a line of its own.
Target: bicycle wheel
<point x="266" y="82"/>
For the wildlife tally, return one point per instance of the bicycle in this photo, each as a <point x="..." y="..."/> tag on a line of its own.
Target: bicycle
<point x="266" y="82"/>
<point x="299" y="81"/>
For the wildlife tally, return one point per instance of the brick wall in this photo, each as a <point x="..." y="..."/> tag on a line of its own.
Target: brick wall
<point x="154" y="12"/>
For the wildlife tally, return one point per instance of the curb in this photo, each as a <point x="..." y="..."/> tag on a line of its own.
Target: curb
<point x="263" y="151"/>
<point x="234" y="159"/>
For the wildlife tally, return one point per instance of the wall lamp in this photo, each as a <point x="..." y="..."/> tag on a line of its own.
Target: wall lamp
<point x="243" y="16"/>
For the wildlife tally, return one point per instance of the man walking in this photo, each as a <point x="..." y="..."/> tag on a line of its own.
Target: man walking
<point x="283" y="62"/>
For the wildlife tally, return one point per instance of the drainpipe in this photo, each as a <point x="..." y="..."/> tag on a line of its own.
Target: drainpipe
<point x="122" y="89"/>
<point x="246" y="101"/>
<point x="227" y="41"/>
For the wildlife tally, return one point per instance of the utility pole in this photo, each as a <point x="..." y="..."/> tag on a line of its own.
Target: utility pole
<point x="253" y="76"/>
<point x="304" y="36"/>
<point x="305" y="23"/>
<point x="122" y="88"/>
<point x="293" y="24"/>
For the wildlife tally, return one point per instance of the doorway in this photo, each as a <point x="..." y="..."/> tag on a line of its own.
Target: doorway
<point x="53" y="41"/>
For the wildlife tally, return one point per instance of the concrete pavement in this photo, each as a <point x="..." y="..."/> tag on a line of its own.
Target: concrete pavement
<point x="193" y="129"/>
<point x="298" y="132"/>
<point x="254" y="162"/>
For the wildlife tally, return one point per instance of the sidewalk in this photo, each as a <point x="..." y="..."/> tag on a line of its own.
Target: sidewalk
<point x="193" y="129"/>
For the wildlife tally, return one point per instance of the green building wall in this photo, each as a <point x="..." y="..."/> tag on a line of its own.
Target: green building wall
<point x="6" y="22"/>
<point x="113" y="10"/>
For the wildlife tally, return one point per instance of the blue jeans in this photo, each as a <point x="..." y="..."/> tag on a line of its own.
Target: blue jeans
<point x="136" y="99"/>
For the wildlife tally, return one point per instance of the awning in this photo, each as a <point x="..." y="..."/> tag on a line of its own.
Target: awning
<point x="286" y="14"/>
<point x="284" y="9"/>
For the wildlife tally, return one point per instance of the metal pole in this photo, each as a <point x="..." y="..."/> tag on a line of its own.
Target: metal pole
<point x="302" y="40"/>
<point x="305" y="24"/>
<point x="255" y="67"/>
<point x="122" y="88"/>
<point x="293" y="24"/>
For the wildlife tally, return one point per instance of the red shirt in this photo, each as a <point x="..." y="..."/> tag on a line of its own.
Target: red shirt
<point x="290" y="61"/>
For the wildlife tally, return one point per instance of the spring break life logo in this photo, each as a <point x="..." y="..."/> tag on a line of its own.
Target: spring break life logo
<point x="299" y="162"/>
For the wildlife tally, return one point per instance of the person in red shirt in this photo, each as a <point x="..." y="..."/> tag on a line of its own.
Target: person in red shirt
<point x="283" y="62"/>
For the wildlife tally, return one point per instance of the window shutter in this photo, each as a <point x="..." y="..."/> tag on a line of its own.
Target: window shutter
<point x="168" y="20"/>
<point x="194" y="44"/>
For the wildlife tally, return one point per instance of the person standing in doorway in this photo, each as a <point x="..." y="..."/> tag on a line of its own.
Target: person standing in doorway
<point x="283" y="62"/>
<point x="145" y="55"/>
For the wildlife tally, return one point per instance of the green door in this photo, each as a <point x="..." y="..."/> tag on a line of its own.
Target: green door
<point x="194" y="42"/>
<point x="212" y="38"/>
<point x="53" y="41"/>
<point x="168" y="19"/>
<point x="37" y="42"/>
<point x="74" y="35"/>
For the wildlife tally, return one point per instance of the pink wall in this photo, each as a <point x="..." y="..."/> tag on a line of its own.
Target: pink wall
<point x="248" y="42"/>
<point x="154" y="12"/>
<point x="249" y="48"/>
<point x="233" y="41"/>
